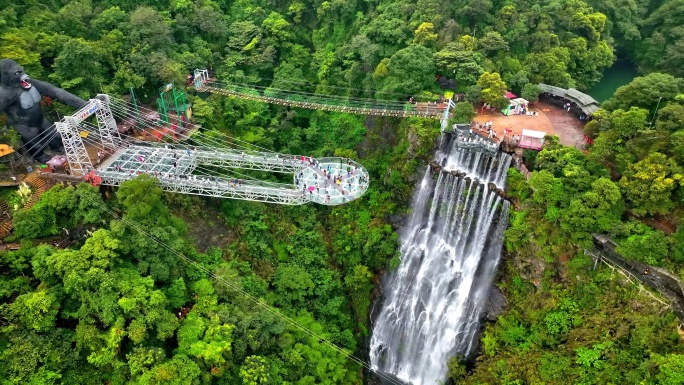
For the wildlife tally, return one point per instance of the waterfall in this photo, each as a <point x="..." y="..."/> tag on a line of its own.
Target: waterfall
<point x="450" y="248"/>
<point x="476" y="164"/>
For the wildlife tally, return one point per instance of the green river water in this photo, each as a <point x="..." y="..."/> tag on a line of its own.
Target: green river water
<point x="621" y="73"/>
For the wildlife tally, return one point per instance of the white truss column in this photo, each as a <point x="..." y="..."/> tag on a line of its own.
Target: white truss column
<point x="109" y="131"/>
<point x="445" y="118"/>
<point x="201" y="76"/>
<point x="75" y="150"/>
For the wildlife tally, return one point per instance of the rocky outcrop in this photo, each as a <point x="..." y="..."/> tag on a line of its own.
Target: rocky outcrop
<point x="496" y="305"/>
<point x="396" y="220"/>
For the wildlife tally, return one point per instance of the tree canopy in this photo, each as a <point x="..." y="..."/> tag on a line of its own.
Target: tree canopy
<point x="135" y="304"/>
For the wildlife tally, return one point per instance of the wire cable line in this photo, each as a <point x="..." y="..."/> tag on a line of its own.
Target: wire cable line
<point x="262" y="305"/>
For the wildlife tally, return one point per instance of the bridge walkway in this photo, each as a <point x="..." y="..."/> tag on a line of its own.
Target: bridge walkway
<point x="173" y="166"/>
<point x="334" y="103"/>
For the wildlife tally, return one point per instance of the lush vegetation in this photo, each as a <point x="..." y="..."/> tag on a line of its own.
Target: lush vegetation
<point x="106" y="308"/>
<point x="119" y="307"/>
<point x="647" y="32"/>
<point x="568" y="323"/>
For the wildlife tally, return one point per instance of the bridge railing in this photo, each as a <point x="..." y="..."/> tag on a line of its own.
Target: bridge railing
<point x="342" y="163"/>
<point x="322" y="101"/>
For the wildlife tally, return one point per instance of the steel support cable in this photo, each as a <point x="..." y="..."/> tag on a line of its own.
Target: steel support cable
<point x="126" y="107"/>
<point x="242" y="148"/>
<point x="202" y="139"/>
<point x="92" y="131"/>
<point x="27" y="160"/>
<point x="125" y="114"/>
<point x="248" y="87"/>
<point x="39" y="137"/>
<point x="42" y="139"/>
<point x="230" y="285"/>
<point x="92" y="141"/>
<point x="322" y="85"/>
<point x="41" y="144"/>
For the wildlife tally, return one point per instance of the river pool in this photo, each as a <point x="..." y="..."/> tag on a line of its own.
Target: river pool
<point x="621" y="73"/>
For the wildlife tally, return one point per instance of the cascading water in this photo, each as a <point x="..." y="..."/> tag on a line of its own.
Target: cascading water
<point x="449" y="252"/>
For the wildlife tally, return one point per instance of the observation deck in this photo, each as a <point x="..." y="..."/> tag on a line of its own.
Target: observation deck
<point x="175" y="167"/>
<point x="465" y="140"/>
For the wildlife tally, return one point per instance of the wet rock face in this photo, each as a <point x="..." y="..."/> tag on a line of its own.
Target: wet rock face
<point x="508" y="147"/>
<point x="397" y="221"/>
<point x="496" y="304"/>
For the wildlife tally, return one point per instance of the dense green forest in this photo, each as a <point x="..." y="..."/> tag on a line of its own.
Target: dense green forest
<point x="106" y="309"/>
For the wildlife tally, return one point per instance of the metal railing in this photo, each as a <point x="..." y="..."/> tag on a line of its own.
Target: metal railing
<point x="326" y="102"/>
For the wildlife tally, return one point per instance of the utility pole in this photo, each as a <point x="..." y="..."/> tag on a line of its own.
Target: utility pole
<point x="654" y="114"/>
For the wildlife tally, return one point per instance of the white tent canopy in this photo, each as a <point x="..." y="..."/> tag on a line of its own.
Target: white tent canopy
<point x="533" y="134"/>
<point x="519" y="101"/>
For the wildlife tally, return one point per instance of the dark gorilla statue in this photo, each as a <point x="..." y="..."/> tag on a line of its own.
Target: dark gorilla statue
<point x="20" y="99"/>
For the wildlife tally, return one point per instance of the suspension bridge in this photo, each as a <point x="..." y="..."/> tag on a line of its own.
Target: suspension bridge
<point x="431" y="110"/>
<point x="205" y="165"/>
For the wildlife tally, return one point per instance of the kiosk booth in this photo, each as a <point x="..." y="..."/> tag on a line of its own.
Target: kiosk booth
<point x="516" y="106"/>
<point x="534" y="140"/>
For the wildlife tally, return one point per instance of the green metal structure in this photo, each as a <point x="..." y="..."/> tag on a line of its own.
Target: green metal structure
<point x="170" y="100"/>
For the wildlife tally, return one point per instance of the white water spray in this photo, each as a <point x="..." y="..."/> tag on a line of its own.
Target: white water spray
<point x="449" y="252"/>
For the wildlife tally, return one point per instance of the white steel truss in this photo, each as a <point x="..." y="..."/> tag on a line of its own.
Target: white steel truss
<point x="444" y="121"/>
<point x="109" y="132"/>
<point x="217" y="187"/>
<point x="77" y="156"/>
<point x="201" y="77"/>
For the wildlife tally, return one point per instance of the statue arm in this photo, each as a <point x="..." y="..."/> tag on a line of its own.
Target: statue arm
<point x="5" y="100"/>
<point x="57" y="93"/>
